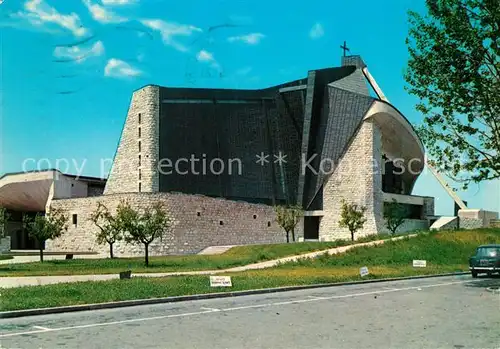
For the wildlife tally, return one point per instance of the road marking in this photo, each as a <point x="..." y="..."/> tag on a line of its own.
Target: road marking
<point x="212" y="310"/>
<point x="316" y="297"/>
<point x="247" y="307"/>
<point x="42" y="328"/>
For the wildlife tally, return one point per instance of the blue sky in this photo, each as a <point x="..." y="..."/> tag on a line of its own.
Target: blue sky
<point x="69" y="66"/>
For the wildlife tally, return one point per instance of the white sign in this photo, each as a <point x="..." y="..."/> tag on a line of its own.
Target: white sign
<point x="363" y="271"/>
<point x="419" y="264"/>
<point x="220" y="281"/>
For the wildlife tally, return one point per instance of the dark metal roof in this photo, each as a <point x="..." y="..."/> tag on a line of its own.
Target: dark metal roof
<point x="326" y="74"/>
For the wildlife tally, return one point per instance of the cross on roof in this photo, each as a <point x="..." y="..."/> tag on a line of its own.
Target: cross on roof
<point x="345" y="48"/>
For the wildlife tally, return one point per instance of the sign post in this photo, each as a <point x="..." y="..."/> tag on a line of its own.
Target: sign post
<point x="220" y="281"/>
<point x="363" y="271"/>
<point x="419" y="263"/>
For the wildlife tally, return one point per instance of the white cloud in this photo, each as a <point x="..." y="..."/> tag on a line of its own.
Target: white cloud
<point x="38" y="13"/>
<point x="118" y="2"/>
<point x="77" y="54"/>
<point x="169" y="30"/>
<point x="316" y="31"/>
<point x="20" y="21"/>
<point x="251" y="39"/>
<point x="116" y="68"/>
<point x="205" y="56"/>
<point x="101" y="14"/>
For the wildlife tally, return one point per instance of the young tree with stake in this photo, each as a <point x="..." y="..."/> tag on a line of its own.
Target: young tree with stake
<point x="47" y="227"/>
<point x="352" y="217"/>
<point x="110" y="227"/>
<point x="394" y="215"/>
<point x="144" y="228"/>
<point x="288" y="217"/>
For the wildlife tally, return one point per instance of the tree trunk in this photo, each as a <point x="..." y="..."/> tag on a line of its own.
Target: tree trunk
<point x="352" y="236"/>
<point x="293" y="235"/>
<point x="146" y="255"/>
<point x="287" y="237"/>
<point x="41" y="253"/>
<point x="110" y="250"/>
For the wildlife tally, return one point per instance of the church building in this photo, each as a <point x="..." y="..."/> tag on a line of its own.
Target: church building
<point x="220" y="159"/>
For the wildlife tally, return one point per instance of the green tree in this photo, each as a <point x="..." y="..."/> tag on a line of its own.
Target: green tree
<point x="352" y="217"/>
<point x="288" y="217"/>
<point x="45" y="227"/>
<point x="454" y="70"/>
<point x="110" y="227"/>
<point x="4" y="218"/>
<point x="144" y="227"/>
<point x="395" y="215"/>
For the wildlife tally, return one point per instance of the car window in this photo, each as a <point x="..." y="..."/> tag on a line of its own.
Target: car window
<point x="488" y="252"/>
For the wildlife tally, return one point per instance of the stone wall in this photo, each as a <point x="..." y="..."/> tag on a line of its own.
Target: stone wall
<point x="199" y="222"/>
<point x="470" y="223"/>
<point x="357" y="181"/>
<point x="136" y="165"/>
<point x="476" y="218"/>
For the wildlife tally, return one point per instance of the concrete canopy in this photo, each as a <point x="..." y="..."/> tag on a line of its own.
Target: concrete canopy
<point x="399" y="141"/>
<point x="26" y="192"/>
<point x="33" y="191"/>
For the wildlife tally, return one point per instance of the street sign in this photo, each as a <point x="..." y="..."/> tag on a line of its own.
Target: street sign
<point x="419" y="263"/>
<point x="363" y="271"/>
<point x="220" y="281"/>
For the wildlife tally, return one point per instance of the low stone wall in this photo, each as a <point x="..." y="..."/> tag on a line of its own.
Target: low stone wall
<point x="470" y="223"/>
<point x="4" y="244"/>
<point x="198" y="222"/>
<point x="409" y="225"/>
<point x="475" y="218"/>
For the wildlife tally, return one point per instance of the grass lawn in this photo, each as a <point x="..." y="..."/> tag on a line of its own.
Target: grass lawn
<point x="5" y="256"/>
<point x="142" y="288"/>
<point x="236" y="256"/>
<point x="444" y="251"/>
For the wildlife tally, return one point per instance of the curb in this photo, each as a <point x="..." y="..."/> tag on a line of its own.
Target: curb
<point x="493" y="289"/>
<point x="130" y="303"/>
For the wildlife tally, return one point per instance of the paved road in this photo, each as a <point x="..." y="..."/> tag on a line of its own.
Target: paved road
<point x="452" y="312"/>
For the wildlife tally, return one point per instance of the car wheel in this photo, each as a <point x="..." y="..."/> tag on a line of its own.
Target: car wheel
<point x="474" y="274"/>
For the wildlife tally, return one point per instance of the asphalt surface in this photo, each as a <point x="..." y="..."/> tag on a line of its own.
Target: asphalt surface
<point x="448" y="312"/>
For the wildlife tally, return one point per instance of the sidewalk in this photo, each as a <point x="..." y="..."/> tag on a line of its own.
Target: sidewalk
<point x="29" y="259"/>
<point x="9" y="282"/>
